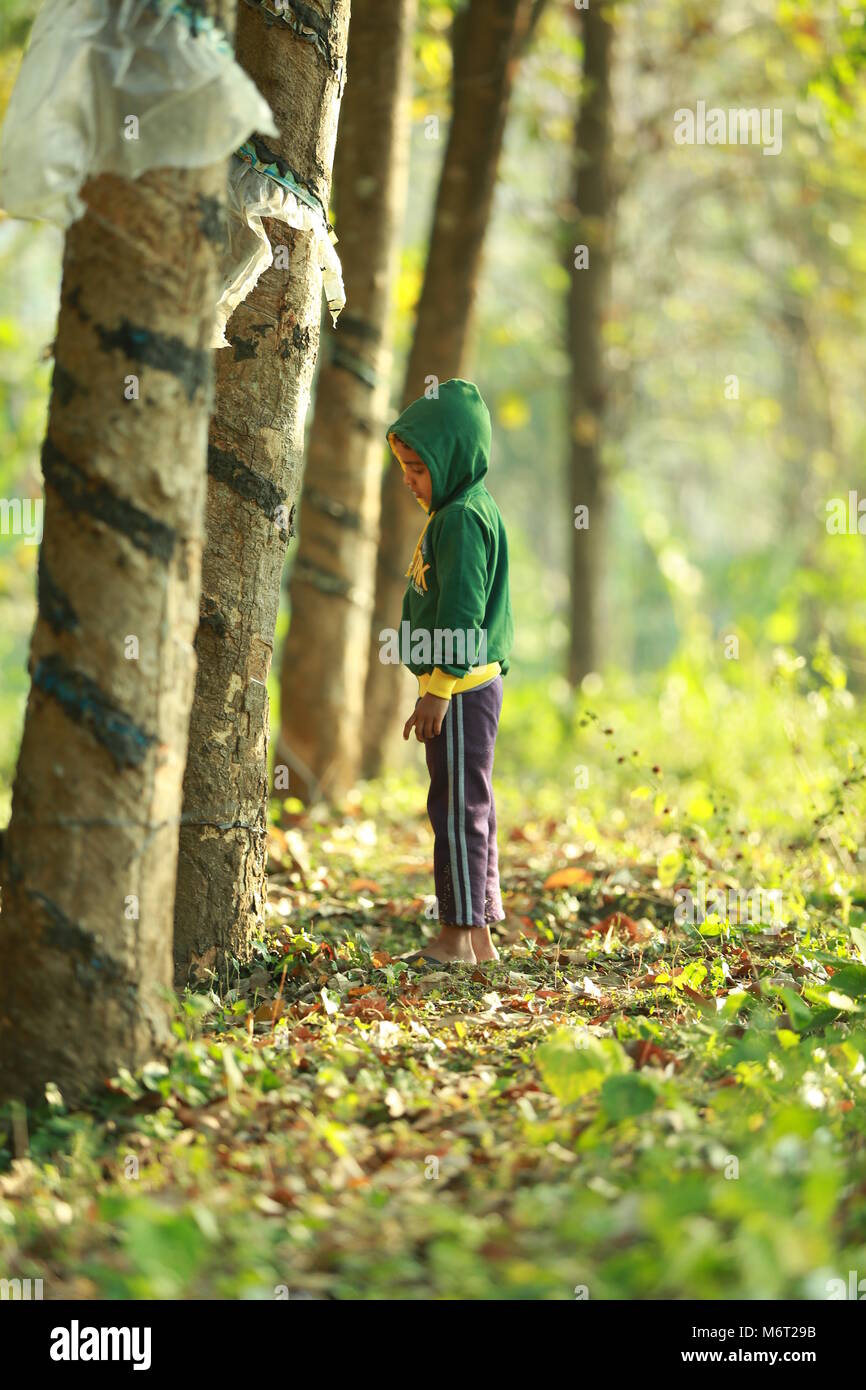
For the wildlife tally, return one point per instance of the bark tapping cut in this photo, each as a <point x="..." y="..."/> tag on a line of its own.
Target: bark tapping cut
<point x="90" y="853"/>
<point x="326" y="652"/>
<point x="487" y="40"/>
<point x="587" y="306"/>
<point x="297" y="59"/>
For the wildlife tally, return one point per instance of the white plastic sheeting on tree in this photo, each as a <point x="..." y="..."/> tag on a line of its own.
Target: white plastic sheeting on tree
<point x="108" y="88"/>
<point x="254" y="194"/>
<point x="123" y="86"/>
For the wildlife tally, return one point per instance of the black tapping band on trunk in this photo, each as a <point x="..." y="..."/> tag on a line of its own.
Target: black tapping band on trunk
<point x="53" y="604"/>
<point x="229" y="469"/>
<point x="94" y="498"/>
<point x="192" y="366"/>
<point x="84" y="703"/>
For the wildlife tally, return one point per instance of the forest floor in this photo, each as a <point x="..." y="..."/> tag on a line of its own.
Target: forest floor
<point x="626" y="1105"/>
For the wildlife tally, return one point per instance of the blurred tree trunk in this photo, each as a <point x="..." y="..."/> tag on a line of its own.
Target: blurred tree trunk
<point x="90" y="853"/>
<point x="255" y="457"/>
<point x="587" y="305"/>
<point x="325" y="656"/>
<point x="488" y="35"/>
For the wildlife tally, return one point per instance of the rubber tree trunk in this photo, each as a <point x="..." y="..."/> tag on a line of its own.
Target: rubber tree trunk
<point x="263" y="382"/>
<point x="487" y="39"/>
<point x="326" y="652"/>
<point x="587" y="306"/>
<point x="89" y="856"/>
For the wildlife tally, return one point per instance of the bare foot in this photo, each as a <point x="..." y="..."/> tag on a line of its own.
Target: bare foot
<point x="482" y="944"/>
<point x="452" y="944"/>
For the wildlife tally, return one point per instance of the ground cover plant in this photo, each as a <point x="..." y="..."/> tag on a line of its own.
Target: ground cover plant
<point x="628" y="1104"/>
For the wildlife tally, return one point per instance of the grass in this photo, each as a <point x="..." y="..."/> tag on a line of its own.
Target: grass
<point x="627" y="1105"/>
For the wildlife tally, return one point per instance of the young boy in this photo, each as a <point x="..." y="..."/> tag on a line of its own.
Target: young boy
<point x="458" y="609"/>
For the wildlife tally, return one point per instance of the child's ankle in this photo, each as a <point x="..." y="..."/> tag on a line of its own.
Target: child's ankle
<point x="455" y="942"/>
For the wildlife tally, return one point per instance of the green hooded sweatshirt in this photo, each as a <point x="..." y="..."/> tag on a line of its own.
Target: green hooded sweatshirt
<point x="459" y="572"/>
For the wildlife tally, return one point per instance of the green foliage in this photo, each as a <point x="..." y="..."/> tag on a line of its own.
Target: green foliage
<point x="726" y="264"/>
<point x="574" y="1065"/>
<point x="15" y="20"/>
<point x="29" y="266"/>
<point x="645" y="1106"/>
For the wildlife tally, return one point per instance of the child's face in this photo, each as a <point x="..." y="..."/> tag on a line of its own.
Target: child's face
<point x="416" y="474"/>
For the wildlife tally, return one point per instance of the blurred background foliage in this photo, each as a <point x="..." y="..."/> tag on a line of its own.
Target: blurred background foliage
<point x="728" y="264"/>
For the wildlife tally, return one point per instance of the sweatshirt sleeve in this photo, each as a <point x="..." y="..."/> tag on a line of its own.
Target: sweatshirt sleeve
<point x="460" y="556"/>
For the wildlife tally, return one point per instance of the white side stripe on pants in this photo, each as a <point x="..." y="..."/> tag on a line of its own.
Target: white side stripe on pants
<point x="452" y="841"/>
<point x="461" y="809"/>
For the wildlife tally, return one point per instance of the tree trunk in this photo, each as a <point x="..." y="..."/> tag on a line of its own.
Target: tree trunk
<point x="587" y="306"/>
<point x="487" y="37"/>
<point x="325" y="656"/>
<point x="254" y="466"/>
<point x="91" y="849"/>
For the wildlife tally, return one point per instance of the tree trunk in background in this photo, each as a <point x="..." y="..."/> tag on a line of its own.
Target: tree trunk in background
<point x="487" y="38"/>
<point x="90" y="853"/>
<point x="587" y="305"/>
<point x="326" y="652"/>
<point x="254" y="463"/>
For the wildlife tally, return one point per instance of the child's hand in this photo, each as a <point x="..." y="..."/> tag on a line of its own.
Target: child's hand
<point x="427" y="717"/>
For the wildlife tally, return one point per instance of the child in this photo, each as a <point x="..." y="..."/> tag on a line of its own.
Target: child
<point x="458" y="609"/>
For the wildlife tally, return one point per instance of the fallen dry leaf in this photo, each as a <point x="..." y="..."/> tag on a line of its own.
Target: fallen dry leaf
<point x="646" y="1053"/>
<point x="269" y="1010"/>
<point x="395" y="1103"/>
<point x="568" y="878"/>
<point x="369" y="1008"/>
<point x="618" y="921"/>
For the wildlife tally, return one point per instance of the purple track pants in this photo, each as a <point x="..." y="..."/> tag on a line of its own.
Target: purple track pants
<point x="462" y="811"/>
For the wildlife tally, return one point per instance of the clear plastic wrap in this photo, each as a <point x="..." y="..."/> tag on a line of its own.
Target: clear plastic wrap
<point x="119" y="86"/>
<point x="253" y="195"/>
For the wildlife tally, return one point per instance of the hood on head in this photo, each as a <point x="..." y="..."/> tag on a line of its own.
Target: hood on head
<point x="451" y="434"/>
